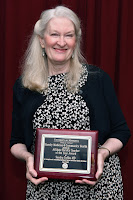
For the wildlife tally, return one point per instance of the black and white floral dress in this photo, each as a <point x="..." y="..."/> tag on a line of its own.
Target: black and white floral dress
<point x="65" y="110"/>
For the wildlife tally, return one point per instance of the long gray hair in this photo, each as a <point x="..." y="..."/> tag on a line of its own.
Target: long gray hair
<point x="35" y="66"/>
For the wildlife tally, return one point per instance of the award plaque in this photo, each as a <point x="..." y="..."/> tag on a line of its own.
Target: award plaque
<point x="66" y="154"/>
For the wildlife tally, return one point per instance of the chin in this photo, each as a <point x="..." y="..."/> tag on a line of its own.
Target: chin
<point x="60" y="60"/>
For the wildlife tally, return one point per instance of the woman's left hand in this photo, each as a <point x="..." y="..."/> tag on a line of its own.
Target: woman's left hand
<point x="102" y="155"/>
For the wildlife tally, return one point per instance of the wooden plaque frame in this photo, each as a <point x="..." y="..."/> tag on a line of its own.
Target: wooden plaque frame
<point x="66" y="154"/>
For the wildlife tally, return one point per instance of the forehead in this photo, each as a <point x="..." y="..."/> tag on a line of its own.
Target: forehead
<point x="60" y="24"/>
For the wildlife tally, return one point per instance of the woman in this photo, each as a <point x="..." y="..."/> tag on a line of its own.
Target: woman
<point x="56" y="90"/>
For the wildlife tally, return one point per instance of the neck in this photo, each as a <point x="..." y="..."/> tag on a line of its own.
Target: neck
<point x="55" y="69"/>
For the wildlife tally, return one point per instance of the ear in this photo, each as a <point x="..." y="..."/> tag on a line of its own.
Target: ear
<point x="41" y="42"/>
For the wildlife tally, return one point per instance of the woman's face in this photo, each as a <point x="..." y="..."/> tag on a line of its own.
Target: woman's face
<point x="59" y="40"/>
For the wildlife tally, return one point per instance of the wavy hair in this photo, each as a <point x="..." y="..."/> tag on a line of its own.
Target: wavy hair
<point x="35" y="66"/>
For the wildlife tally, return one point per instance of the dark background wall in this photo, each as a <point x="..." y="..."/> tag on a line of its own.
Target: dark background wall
<point x="107" y="42"/>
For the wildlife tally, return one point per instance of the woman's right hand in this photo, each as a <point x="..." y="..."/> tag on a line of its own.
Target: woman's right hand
<point x="20" y="151"/>
<point x="31" y="174"/>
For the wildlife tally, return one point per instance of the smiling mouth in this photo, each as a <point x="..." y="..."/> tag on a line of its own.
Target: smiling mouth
<point x="60" y="50"/>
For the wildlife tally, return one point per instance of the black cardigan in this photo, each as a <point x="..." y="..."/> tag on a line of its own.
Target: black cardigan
<point x="98" y="92"/>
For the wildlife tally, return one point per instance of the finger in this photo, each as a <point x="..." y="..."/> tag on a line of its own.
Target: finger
<point x="99" y="171"/>
<point x="85" y="181"/>
<point x="35" y="180"/>
<point x="100" y="166"/>
<point x="30" y="167"/>
<point x="98" y="175"/>
<point x="43" y="180"/>
<point x="89" y="182"/>
<point x="40" y="180"/>
<point x="79" y="181"/>
<point x="32" y="172"/>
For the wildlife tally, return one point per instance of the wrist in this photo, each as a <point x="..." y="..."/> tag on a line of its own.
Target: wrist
<point x="104" y="151"/>
<point x="27" y="155"/>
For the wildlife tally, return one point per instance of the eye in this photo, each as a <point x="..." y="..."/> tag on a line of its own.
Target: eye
<point x="54" y="34"/>
<point x="69" y="35"/>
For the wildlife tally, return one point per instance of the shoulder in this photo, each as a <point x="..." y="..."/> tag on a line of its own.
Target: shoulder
<point x="97" y="74"/>
<point x="98" y="80"/>
<point x="18" y="84"/>
<point x="95" y="70"/>
<point x="21" y="93"/>
<point x="18" y="89"/>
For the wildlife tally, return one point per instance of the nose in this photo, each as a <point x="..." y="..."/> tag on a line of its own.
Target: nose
<point x="61" y="41"/>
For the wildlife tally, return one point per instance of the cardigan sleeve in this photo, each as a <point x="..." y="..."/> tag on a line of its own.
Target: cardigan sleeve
<point x="25" y="103"/>
<point x="17" y="135"/>
<point x="119" y="128"/>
